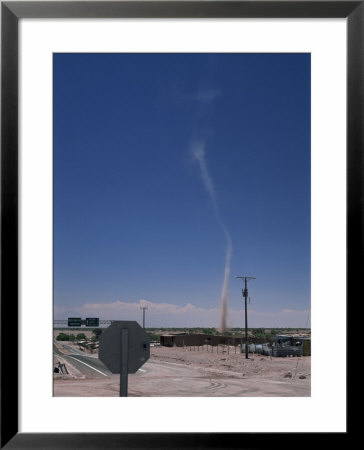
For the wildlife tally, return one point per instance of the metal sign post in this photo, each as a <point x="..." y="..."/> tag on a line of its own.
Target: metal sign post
<point x="124" y="336"/>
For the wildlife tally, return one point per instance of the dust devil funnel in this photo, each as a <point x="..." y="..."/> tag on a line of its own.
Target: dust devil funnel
<point x="198" y="152"/>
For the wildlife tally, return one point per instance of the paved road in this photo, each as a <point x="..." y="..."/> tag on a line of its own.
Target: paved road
<point x="88" y="365"/>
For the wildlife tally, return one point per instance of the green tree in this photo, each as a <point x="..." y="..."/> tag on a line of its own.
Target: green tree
<point x="63" y="337"/>
<point x="81" y="336"/>
<point x="258" y="332"/>
<point x="207" y="330"/>
<point x="153" y="336"/>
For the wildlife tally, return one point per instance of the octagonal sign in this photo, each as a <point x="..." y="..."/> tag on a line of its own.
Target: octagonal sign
<point x="138" y="348"/>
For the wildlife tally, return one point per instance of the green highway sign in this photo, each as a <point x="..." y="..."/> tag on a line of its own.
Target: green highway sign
<point x="74" y="321"/>
<point x="92" y="322"/>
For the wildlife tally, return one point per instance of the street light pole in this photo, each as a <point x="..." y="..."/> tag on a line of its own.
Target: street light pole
<point x="245" y="295"/>
<point x="144" y="308"/>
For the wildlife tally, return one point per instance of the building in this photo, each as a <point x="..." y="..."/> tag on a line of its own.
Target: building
<point x="180" y="340"/>
<point x="280" y="345"/>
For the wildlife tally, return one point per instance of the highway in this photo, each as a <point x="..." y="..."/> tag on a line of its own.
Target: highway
<point x="88" y="365"/>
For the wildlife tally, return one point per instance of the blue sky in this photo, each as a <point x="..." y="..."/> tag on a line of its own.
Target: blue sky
<point x="163" y="161"/>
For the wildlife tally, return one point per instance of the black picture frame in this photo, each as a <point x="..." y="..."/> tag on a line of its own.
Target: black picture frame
<point x="11" y="12"/>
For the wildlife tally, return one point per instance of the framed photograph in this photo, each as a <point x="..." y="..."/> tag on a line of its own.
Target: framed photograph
<point x="152" y="155"/>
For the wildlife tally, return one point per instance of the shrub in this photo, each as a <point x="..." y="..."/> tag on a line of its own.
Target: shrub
<point x="63" y="337"/>
<point x="153" y="336"/>
<point x="81" y="336"/>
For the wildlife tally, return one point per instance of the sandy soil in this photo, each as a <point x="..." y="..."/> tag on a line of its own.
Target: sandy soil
<point x="199" y="372"/>
<point x="227" y="360"/>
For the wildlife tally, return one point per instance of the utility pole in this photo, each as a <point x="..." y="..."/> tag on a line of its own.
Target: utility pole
<point x="245" y="295"/>
<point x="144" y="308"/>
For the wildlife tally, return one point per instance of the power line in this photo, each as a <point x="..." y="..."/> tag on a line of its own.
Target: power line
<point x="245" y="295"/>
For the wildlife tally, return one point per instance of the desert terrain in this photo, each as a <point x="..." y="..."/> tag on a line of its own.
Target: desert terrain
<point x="203" y="371"/>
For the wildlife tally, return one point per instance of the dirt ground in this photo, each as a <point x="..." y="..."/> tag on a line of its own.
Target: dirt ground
<point x="203" y="371"/>
<point x="229" y="359"/>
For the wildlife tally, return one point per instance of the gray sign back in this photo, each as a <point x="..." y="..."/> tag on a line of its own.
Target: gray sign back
<point x="110" y="346"/>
